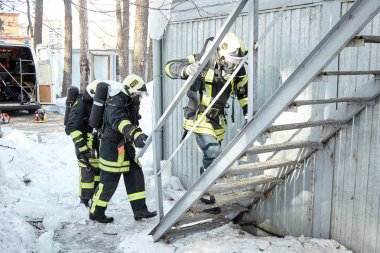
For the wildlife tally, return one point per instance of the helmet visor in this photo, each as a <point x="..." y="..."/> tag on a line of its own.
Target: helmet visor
<point x="230" y="63"/>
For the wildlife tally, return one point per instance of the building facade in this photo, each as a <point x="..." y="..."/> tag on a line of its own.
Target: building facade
<point x="11" y="32"/>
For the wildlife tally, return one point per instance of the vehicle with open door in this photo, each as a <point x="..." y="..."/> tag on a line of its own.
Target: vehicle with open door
<point x="21" y="75"/>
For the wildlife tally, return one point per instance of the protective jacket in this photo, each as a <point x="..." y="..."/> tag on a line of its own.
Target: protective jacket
<point x="120" y="129"/>
<point x="79" y="130"/>
<point x="202" y="92"/>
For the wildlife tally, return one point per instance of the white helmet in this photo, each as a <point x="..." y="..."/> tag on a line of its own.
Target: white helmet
<point x="114" y="87"/>
<point x="91" y="88"/>
<point x="133" y="84"/>
<point x="231" y="51"/>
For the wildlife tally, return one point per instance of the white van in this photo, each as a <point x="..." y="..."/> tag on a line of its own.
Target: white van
<point x="25" y="81"/>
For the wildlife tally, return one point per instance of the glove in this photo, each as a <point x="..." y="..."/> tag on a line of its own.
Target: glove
<point x="140" y="140"/>
<point x="84" y="156"/>
<point x="192" y="68"/>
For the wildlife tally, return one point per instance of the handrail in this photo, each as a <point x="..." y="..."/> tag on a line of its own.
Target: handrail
<point x="205" y="58"/>
<point x="204" y="113"/>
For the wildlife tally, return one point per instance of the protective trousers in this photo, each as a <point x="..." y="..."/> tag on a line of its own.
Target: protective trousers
<point x="210" y="147"/>
<point x="134" y="184"/>
<point x="89" y="180"/>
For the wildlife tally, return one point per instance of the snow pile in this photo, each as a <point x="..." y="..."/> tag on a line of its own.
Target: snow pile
<point x="16" y="235"/>
<point x="38" y="183"/>
<point x="159" y="16"/>
<point x="230" y="238"/>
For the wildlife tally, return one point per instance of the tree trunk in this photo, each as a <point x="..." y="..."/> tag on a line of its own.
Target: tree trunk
<point x="125" y="32"/>
<point x="150" y="62"/>
<point x="39" y="7"/>
<point x="122" y="23"/>
<point x="67" y="62"/>
<point x="30" y="24"/>
<point x="141" y="35"/>
<point x="84" y="66"/>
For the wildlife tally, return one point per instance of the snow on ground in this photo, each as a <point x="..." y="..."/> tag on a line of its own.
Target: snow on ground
<point x="40" y="210"/>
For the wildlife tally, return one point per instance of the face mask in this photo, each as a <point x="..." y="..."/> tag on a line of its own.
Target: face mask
<point x="230" y="63"/>
<point x="226" y="75"/>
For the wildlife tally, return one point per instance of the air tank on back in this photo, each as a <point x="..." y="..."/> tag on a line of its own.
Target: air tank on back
<point x="97" y="110"/>
<point x="72" y="94"/>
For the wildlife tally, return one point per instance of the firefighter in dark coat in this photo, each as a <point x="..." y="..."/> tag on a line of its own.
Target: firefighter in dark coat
<point x="86" y="145"/>
<point x="210" y="132"/>
<point x="121" y="135"/>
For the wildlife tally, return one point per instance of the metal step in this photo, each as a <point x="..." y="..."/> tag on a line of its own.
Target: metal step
<point x="332" y="101"/>
<point x="258" y="166"/>
<point x="350" y="73"/>
<point x="318" y="123"/>
<point x="226" y="200"/>
<point x="192" y="229"/>
<point x="245" y="183"/>
<point x="360" y="41"/>
<point x="215" y="213"/>
<point x="283" y="146"/>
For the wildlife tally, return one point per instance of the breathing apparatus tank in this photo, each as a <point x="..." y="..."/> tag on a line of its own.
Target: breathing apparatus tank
<point x="72" y="94"/>
<point x="97" y="110"/>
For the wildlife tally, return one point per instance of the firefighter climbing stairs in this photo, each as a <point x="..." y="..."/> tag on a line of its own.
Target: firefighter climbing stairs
<point x="238" y="185"/>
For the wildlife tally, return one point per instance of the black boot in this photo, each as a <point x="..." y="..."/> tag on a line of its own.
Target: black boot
<point x="102" y="218"/>
<point x="201" y="170"/>
<point x="85" y="202"/>
<point x="144" y="214"/>
<point x="208" y="199"/>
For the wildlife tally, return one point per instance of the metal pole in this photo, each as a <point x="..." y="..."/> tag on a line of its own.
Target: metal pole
<point x="157" y="138"/>
<point x="204" y="60"/>
<point x="253" y="20"/>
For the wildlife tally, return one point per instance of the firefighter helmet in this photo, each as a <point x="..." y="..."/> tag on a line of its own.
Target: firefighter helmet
<point x="231" y="51"/>
<point x="133" y="84"/>
<point x="91" y="88"/>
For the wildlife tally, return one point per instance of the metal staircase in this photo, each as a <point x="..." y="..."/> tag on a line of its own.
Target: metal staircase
<point x="235" y="186"/>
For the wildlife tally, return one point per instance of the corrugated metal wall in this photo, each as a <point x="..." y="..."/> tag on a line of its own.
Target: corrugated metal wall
<point x="289" y="211"/>
<point x="356" y="189"/>
<point x="355" y="203"/>
<point x="286" y="45"/>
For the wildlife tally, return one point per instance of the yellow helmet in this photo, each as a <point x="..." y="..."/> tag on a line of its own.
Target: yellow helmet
<point x="231" y="51"/>
<point x="133" y="83"/>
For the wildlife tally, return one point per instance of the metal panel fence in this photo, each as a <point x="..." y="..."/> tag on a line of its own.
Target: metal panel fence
<point x="355" y="203"/>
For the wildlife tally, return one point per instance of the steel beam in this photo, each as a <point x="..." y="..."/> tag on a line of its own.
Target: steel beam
<point x="253" y="24"/>
<point x="157" y="138"/>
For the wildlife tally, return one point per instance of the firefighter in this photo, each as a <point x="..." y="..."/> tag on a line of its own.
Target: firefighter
<point x="86" y="145"/>
<point x="210" y="132"/>
<point x="121" y="134"/>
